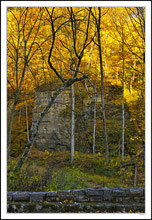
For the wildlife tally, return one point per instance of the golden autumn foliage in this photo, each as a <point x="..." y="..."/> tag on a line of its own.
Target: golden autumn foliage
<point x="34" y="20"/>
<point x="29" y="39"/>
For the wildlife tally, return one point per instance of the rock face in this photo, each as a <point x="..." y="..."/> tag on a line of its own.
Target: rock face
<point x="100" y="200"/>
<point x="53" y="132"/>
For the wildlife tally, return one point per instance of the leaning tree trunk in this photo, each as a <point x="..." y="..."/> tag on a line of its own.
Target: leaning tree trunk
<point x="35" y="128"/>
<point x="66" y="83"/>
<point x="102" y="88"/>
<point x="13" y="112"/>
<point x="40" y="117"/>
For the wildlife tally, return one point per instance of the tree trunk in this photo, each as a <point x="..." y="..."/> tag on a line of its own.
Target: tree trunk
<point x="27" y="123"/>
<point x="123" y="112"/>
<point x="73" y="107"/>
<point x="143" y="87"/>
<point x="35" y="128"/>
<point x="135" y="176"/>
<point x="102" y="89"/>
<point x="119" y="148"/>
<point x="10" y="130"/>
<point x="73" y="124"/>
<point x="20" y="115"/>
<point x="89" y="60"/>
<point x="40" y="117"/>
<point x="94" y="128"/>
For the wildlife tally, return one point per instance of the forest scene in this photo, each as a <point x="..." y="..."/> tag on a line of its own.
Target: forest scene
<point x="75" y="98"/>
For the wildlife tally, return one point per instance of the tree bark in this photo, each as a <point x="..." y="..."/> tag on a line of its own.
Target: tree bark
<point x="66" y="83"/>
<point x="9" y="131"/>
<point x="135" y="176"/>
<point x="94" y="127"/>
<point x="123" y="112"/>
<point x="89" y="60"/>
<point x="26" y="58"/>
<point x="27" y="122"/>
<point x="73" y="124"/>
<point x="40" y="117"/>
<point x="102" y="88"/>
<point x="20" y="115"/>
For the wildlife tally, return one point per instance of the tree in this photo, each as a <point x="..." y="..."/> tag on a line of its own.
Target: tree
<point x="98" y="27"/>
<point x="120" y="30"/>
<point x="85" y="46"/>
<point x="23" y="29"/>
<point x="127" y="31"/>
<point x="65" y="82"/>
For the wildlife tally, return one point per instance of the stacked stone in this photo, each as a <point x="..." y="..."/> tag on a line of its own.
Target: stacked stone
<point x="53" y="132"/>
<point x="83" y="200"/>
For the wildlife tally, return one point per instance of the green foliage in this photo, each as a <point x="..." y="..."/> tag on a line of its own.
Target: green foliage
<point x="65" y="113"/>
<point x="76" y="155"/>
<point x="48" y="155"/>
<point x="26" y="180"/>
<point x="18" y="146"/>
<point x="67" y="178"/>
<point x="23" y="181"/>
<point x="84" y="94"/>
<point x="46" y="171"/>
<point x="126" y="175"/>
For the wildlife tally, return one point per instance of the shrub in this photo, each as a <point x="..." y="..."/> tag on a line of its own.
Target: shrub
<point x="27" y="180"/>
<point x="67" y="178"/>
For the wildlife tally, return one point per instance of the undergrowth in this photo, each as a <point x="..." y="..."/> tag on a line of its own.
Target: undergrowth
<point x="46" y="171"/>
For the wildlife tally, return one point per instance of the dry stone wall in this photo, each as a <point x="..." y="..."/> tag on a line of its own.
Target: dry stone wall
<point x="53" y="132"/>
<point x="79" y="200"/>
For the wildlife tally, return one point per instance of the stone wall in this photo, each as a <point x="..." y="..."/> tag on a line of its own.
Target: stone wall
<point x="53" y="132"/>
<point x="81" y="200"/>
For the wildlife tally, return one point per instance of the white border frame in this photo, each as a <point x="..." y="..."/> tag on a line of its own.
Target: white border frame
<point x="4" y="5"/>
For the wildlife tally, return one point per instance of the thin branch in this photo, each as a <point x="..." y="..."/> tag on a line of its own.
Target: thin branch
<point x="51" y="49"/>
<point x="84" y="46"/>
<point x="33" y="25"/>
<point x="35" y="34"/>
<point x="73" y="31"/>
<point x="48" y="38"/>
<point x="10" y="84"/>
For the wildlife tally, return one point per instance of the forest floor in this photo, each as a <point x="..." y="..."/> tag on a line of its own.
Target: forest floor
<point x="44" y="171"/>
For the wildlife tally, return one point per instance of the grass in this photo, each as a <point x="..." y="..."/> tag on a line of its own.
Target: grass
<point x="44" y="171"/>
